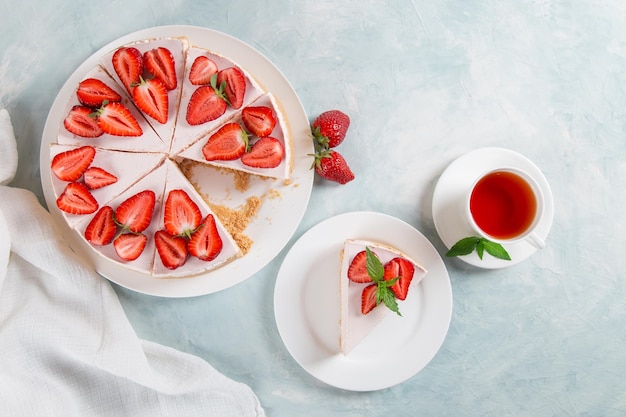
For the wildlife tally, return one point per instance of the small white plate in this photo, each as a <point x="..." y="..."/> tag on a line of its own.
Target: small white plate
<point x="306" y="306"/>
<point x="276" y="221"/>
<point x="452" y="188"/>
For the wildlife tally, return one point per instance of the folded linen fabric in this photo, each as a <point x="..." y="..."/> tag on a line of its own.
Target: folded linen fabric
<point x="66" y="346"/>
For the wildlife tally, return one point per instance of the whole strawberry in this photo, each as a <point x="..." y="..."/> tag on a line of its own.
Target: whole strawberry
<point x="332" y="166"/>
<point x="330" y="127"/>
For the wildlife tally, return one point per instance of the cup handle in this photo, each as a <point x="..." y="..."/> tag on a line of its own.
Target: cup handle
<point x="535" y="240"/>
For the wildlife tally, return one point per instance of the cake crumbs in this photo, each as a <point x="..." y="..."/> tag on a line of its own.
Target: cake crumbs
<point x="236" y="220"/>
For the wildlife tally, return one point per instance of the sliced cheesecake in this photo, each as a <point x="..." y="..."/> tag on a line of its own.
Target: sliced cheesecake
<point x="358" y="318"/>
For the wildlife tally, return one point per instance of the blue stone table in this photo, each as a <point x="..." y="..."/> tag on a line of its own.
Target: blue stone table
<point x="424" y="82"/>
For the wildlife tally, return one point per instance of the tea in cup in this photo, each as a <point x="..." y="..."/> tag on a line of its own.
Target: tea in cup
<point x="505" y="205"/>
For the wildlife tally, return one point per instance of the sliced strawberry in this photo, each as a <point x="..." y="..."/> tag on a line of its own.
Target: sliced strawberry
<point x="228" y="143"/>
<point x="92" y="92"/>
<point x="101" y="229"/>
<point x="202" y="70"/>
<point x="96" y="177"/>
<point x="404" y="270"/>
<point x="135" y="213"/>
<point x="150" y="96"/>
<point x="181" y="214"/>
<point x="357" y="271"/>
<point x="128" y="65"/>
<point x="115" y="119"/>
<point x="77" y="199"/>
<point x="206" y="104"/>
<point x="235" y="85"/>
<point x="71" y="165"/>
<point x="368" y="298"/>
<point x="160" y="63"/>
<point x="206" y="243"/>
<point x="266" y="152"/>
<point x="172" y="249"/>
<point x="129" y="246"/>
<point x="259" y="120"/>
<point x="81" y="122"/>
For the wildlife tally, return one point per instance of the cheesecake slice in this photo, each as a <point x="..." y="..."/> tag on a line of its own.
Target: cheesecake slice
<point x="178" y="185"/>
<point x="125" y="168"/>
<point x="146" y="139"/>
<point x="155" y="56"/>
<point x="197" y="93"/>
<point x="355" y="325"/>
<point x="280" y="133"/>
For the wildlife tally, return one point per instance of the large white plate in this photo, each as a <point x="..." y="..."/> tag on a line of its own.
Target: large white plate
<point x="282" y="209"/>
<point x="306" y="306"/>
<point x="453" y="186"/>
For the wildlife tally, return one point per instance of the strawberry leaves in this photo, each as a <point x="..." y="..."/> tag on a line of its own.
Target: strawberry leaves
<point x="467" y="245"/>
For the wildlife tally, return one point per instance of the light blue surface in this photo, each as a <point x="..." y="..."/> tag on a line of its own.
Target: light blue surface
<point x="424" y="82"/>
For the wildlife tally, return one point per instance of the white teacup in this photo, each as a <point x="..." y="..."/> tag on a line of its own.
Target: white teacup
<point x="505" y="205"/>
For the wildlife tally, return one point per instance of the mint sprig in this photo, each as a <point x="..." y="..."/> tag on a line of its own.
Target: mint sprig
<point x="376" y="271"/>
<point x="467" y="245"/>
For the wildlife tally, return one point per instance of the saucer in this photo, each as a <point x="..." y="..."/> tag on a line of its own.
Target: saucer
<point x="451" y="190"/>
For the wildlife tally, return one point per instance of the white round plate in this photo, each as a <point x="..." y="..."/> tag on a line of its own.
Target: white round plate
<point x="277" y="219"/>
<point x="307" y="303"/>
<point x="452" y="188"/>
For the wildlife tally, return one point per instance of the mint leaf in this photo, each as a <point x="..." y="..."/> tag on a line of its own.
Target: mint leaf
<point x="480" y="248"/>
<point x="386" y="296"/>
<point x="467" y="245"/>
<point x="496" y="250"/>
<point x="464" y="246"/>
<point x="376" y="271"/>
<point x="375" y="268"/>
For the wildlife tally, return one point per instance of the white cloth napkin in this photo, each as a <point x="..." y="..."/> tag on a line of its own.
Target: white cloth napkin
<point x="66" y="346"/>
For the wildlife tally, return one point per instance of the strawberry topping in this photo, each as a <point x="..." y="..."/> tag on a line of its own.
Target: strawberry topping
<point x="206" y="243"/>
<point x="96" y="177"/>
<point x="357" y="271"/>
<point x="181" y="214"/>
<point x="160" y="63"/>
<point x="228" y="143"/>
<point x="101" y="229"/>
<point x="71" y="165"/>
<point x="172" y="249"/>
<point x="235" y="85"/>
<point x="368" y="298"/>
<point x="202" y="69"/>
<point x="259" y="120"/>
<point x="267" y="152"/>
<point x="207" y="103"/>
<point x="135" y="213"/>
<point x="128" y="65"/>
<point x="81" y="122"/>
<point x="76" y="199"/>
<point x="115" y="119"/>
<point x="150" y="96"/>
<point x="92" y="92"/>
<point x="129" y="246"/>
<point x="404" y="270"/>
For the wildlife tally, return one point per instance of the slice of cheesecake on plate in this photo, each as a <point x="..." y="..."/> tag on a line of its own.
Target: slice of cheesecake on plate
<point x="360" y="311"/>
